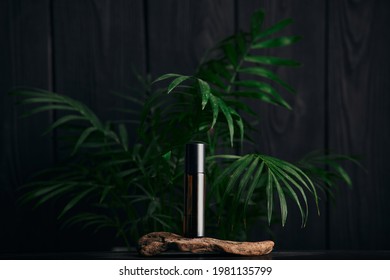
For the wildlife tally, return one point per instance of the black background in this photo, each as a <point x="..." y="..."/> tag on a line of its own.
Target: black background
<point x="85" y="49"/>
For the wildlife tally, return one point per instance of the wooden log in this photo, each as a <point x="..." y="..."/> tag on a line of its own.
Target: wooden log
<point x="157" y="242"/>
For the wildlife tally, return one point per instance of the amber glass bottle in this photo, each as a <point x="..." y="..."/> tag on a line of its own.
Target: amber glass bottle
<point x="194" y="190"/>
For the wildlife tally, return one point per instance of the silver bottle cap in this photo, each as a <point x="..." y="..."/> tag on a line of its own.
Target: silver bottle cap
<point x="195" y="157"/>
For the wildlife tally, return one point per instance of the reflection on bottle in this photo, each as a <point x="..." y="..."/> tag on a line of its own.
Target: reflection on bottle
<point x="194" y="190"/>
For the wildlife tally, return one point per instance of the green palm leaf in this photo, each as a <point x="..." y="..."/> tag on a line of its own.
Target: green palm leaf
<point x="267" y="74"/>
<point x="273" y="29"/>
<point x="83" y="137"/>
<point x="137" y="189"/>
<point x="280" y="175"/>
<point x="166" y="76"/>
<point x="277" y="42"/>
<point x="282" y="199"/>
<point x="123" y="136"/>
<point x="176" y="82"/>
<point x="72" y="203"/>
<point x="256" y="23"/>
<point x="205" y="91"/>
<point x="271" y="60"/>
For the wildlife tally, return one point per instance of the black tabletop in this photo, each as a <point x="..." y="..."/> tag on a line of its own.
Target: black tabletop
<point x="133" y="255"/>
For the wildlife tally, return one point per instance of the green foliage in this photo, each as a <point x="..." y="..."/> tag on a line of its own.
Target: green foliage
<point x="135" y="189"/>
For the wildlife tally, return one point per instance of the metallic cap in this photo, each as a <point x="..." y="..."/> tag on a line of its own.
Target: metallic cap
<point x="195" y="156"/>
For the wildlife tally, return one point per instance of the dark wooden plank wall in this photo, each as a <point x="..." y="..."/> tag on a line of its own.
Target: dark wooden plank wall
<point x="24" y="61"/>
<point x="292" y="134"/>
<point x="86" y="49"/>
<point x="359" y="118"/>
<point x="97" y="44"/>
<point x="96" y="47"/>
<point x="181" y="31"/>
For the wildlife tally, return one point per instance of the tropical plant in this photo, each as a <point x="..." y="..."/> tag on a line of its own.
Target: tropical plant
<point x="137" y="188"/>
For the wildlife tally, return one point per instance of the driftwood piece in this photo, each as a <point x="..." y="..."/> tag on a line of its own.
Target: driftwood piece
<point x="157" y="242"/>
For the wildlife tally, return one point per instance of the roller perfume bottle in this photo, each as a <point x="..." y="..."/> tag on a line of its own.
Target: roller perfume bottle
<point x="194" y="190"/>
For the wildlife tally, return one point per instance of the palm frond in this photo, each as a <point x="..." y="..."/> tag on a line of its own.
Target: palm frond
<point x="138" y="189"/>
<point x="281" y="178"/>
<point x="46" y="100"/>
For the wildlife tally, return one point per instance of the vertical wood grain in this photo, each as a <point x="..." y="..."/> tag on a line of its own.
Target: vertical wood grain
<point x="180" y="31"/>
<point x="87" y="49"/>
<point x="291" y="134"/>
<point x="359" y="120"/>
<point x="24" y="61"/>
<point x="97" y="46"/>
